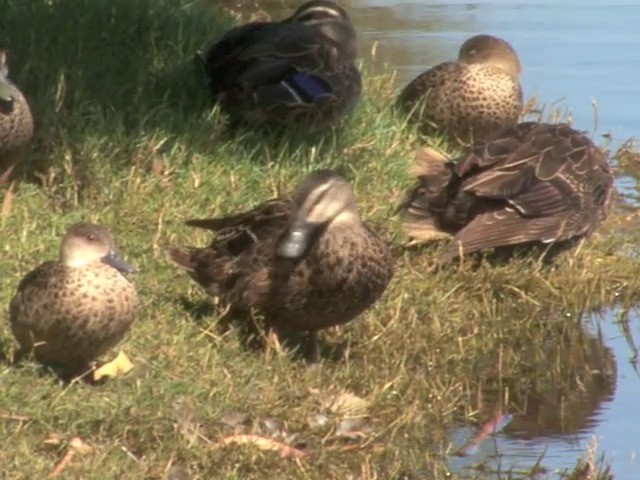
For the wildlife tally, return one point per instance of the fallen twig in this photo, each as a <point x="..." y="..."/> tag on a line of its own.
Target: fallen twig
<point x="76" y="445"/>
<point x="262" y="443"/>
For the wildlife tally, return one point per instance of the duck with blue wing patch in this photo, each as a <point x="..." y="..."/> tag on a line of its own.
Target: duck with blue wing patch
<point x="299" y="71"/>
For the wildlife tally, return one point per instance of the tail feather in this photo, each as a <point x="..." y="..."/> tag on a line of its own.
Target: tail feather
<point x="428" y="163"/>
<point x="418" y="222"/>
<point x="199" y="264"/>
<point x="215" y="224"/>
<point x="184" y="257"/>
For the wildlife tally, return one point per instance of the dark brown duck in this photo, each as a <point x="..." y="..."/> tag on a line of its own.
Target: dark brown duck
<point x="299" y="71"/>
<point x="306" y="261"/>
<point x="530" y="184"/>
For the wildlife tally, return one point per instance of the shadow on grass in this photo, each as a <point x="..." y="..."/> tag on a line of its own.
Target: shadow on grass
<point x="93" y="69"/>
<point x="252" y="334"/>
<point x="104" y="75"/>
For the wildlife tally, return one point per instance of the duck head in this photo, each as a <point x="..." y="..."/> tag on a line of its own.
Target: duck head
<point x="85" y="243"/>
<point x="324" y="200"/>
<point x="490" y="50"/>
<point x="333" y="21"/>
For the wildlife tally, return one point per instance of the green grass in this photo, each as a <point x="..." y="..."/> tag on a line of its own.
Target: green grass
<point x="127" y="136"/>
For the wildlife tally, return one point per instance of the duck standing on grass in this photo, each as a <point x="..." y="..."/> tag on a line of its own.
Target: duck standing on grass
<point x="71" y="311"/>
<point x="296" y="72"/>
<point x="470" y="98"/>
<point x="532" y="184"/>
<point x="307" y="262"/>
<point x="16" y="122"/>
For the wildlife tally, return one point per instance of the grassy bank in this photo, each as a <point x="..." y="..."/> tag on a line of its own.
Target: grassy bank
<point x="127" y="136"/>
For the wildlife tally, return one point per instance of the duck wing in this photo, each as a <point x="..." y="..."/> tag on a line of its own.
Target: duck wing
<point x="243" y="247"/>
<point x="551" y="183"/>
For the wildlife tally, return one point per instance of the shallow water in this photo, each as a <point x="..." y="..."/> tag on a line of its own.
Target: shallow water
<point x="604" y="412"/>
<point x="575" y="55"/>
<point x="573" y="52"/>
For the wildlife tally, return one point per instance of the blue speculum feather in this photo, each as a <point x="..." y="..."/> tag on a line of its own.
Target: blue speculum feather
<point x="308" y="86"/>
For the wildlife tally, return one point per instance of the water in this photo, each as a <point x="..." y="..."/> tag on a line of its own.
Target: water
<point x="604" y="410"/>
<point x="575" y="54"/>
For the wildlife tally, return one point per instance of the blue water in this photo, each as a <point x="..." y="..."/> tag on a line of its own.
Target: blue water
<point x="609" y="418"/>
<point x="571" y="51"/>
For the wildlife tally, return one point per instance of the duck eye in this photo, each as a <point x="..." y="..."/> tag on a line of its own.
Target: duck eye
<point x="91" y="237"/>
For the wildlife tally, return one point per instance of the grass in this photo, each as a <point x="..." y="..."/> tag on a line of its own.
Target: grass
<point x="127" y="136"/>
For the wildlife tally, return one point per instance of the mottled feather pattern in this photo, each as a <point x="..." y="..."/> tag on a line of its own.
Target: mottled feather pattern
<point x="529" y="183"/>
<point x="72" y="315"/>
<point x="16" y="126"/>
<point x="464" y="100"/>
<point x="347" y="268"/>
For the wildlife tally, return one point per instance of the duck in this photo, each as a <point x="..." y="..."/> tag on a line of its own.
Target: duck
<point x="70" y="311"/>
<point x="534" y="184"/>
<point x="306" y="261"/>
<point x="468" y="99"/>
<point x="16" y="122"/>
<point x="299" y="71"/>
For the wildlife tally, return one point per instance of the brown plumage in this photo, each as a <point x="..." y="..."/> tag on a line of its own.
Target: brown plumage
<point x="71" y="311"/>
<point x="530" y="184"/>
<point x="470" y="98"/>
<point x="306" y="261"/>
<point x="16" y="122"/>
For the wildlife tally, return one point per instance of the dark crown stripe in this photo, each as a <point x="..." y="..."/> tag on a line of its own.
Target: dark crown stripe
<point x="317" y="14"/>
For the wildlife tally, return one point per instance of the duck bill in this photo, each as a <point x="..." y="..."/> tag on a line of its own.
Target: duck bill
<point x="298" y="240"/>
<point x="114" y="260"/>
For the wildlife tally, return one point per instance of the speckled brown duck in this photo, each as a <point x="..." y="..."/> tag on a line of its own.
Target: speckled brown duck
<point x="307" y="262"/>
<point x="16" y="122"/>
<point x="71" y="311"/>
<point x="471" y="97"/>
<point x="532" y="184"/>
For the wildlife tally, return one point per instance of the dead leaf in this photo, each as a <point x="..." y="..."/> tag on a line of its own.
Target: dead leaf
<point x="118" y="366"/>
<point x="158" y="167"/>
<point x="54" y="438"/>
<point x="76" y="446"/>
<point x="351" y="428"/>
<point x="262" y="443"/>
<point x="346" y="403"/>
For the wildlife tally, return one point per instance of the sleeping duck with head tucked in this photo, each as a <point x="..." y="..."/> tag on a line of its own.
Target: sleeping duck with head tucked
<point x="307" y="261"/>
<point x="470" y="98"/>
<point x="532" y="184"/>
<point x="71" y="311"/>
<point x="296" y="72"/>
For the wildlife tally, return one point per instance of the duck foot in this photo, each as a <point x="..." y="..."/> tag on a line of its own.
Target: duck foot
<point x="313" y="351"/>
<point x="116" y="367"/>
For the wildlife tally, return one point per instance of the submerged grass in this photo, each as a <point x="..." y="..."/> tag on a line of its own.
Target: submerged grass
<point x="127" y="136"/>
